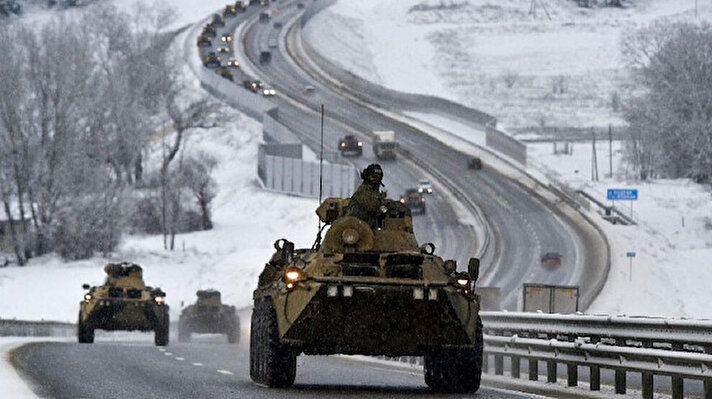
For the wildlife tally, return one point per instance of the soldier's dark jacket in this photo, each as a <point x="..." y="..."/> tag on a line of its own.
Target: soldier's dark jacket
<point x="365" y="204"/>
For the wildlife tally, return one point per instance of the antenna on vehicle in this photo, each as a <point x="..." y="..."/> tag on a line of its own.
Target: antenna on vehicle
<point x="317" y="242"/>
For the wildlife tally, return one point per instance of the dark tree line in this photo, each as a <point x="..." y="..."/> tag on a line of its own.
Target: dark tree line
<point x="671" y="119"/>
<point x="81" y="101"/>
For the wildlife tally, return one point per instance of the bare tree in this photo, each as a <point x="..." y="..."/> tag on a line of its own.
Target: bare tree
<point x="197" y="177"/>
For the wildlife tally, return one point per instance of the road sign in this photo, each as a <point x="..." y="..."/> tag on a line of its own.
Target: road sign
<point x="630" y="254"/>
<point x="622" y="194"/>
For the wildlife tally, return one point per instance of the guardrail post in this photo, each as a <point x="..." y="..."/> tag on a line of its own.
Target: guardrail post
<point x="516" y="363"/>
<point x="533" y="369"/>
<point x="595" y="383"/>
<point x="498" y="365"/>
<point x="678" y="388"/>
<point x="620" y="382"/>
<point x="647" y="383"/>
<point x="708" y="389"/>
<point x="572" y="375"/>
<point x="550" y="371"/>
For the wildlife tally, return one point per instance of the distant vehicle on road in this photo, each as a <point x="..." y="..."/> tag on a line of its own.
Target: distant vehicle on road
<point x="269" y="92"/>
<point x="264" y="17"/>
<point x="414" y="200"/>
<point x="309" y="89"/>
<point x="265" y="57"/>
<point x="226" y="38"/>
<point x="474" y="163"/>
<point x="233" y="63"/>
<point x="350" y="145"/>
<point x="212" y="60"/>
<point x="551" y="260"/>
<point x="424" y="186"/>
<point x="277" y="25"/>
<point x="209" y="31"/>
<point x="209" y="316"/>
<point x="252" y="85"/>
<point x="384" y="145"/>
<point x="229" y="11"/>
<point x="223" y="49"/>
<point x="272" y="43"/>
<point x="204" y="41"/>
<point x="217" y="20"/>
<point x="225" y="73"/>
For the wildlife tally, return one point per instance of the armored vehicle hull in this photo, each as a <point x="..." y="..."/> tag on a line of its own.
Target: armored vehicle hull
<point x="209" y="315"/>
<point x="123" y="303"/>
<point x="370" y="293"/>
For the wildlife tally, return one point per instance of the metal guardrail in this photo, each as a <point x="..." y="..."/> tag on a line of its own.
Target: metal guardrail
<point x="26" y="328"/>
<point x="677" y="348"/>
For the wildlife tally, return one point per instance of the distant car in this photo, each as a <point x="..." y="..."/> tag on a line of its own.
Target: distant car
<point x="269" y="92"/>
<point x="424" y="186"/>
<point x="350" y="145"/>
<point x="300" y="5"/>
<point x="264" y="17"/>
<point x="414" y="200"/>
<point x="309" y="89"/>
<point x="223" y="49"/>
<point x="474" y="163"/>
<point x="226" y="38"/>
<point x="233" y="63"/>
<point x="212" y="60"/>
<point x="277" y="25"/>
<point x="551" y="260"/>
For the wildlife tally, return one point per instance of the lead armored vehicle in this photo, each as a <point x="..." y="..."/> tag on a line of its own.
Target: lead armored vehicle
<point x="209" y="315"/>
<point x="350" y="145"/>
<point x="367" y="292"/>
<point x="123" y="302"/>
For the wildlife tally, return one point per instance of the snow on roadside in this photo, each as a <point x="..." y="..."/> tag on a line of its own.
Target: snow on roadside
<point x="13" y="385"/>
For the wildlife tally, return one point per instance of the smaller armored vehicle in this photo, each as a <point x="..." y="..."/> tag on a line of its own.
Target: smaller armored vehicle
<point x="253" y="85"/>
<point x="233" y="63"/>
<point x="223" y="49"/>
<point x="269" y="92"/>
<point x="210" y="316"/>
<point x="209" y="31"/>
<point x="204" y="41"/>
<point x="217" y="20"/>
<point x="414" y="200"/>
<point x="124" y="302"/>
<point x="369" y="292"/>
<point x="240" y="6"/>
<point x="424" y="186"/>
<point x="212" y="60"/>
<point x="225" y="73"/>
<point x="229" y="11"/>
<point x="551" y="260"/>
<point x="350" y="145"/>
<point x="226" y="38"/>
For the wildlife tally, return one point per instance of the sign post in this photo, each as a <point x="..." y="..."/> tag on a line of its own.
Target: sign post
<point x="623" y="194"/>
<point x="630" y="256"/>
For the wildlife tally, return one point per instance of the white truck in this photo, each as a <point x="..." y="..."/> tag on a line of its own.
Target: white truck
<point x="384" y="144"/>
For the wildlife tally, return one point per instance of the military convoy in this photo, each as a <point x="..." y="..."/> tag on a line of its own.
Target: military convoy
<point x="123" y="302"/>
<point x="350" y="145"/>
<point x="414" y="200"/>
<point x="368" y="292"/>
<point x="209" y="315"/>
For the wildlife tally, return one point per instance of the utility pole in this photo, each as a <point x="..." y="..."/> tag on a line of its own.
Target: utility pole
<point x="610" y="151"/>
<point x="594" y="160"/>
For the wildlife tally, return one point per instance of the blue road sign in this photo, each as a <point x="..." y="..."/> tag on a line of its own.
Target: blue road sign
<point x="630" y="254"/>
<point x="622" y="194"/>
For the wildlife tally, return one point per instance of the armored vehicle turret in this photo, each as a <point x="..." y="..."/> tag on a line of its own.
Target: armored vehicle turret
<point x="123" y="302"/>
<point x="209" y="315"/>
<point x="367" y="292"/>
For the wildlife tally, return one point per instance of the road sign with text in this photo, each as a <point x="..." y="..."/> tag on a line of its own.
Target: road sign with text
<point x="622" y="194"/>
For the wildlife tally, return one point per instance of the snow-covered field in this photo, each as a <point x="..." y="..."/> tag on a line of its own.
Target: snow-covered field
<point x="670" y="272"/>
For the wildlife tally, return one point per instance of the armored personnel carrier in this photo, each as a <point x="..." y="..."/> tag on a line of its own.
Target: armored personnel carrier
<point x="209" y="315"/>
<point x="123" y="302"/>
<point x="368" y="292"/>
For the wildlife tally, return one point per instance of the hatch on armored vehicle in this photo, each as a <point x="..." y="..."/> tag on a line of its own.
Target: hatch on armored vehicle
<point x="368" y="292"/>
<point x="209" y="315"/>
<point x="123" y="302"/>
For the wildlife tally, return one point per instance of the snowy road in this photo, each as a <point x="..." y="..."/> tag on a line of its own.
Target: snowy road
<point x="207" y="368"/>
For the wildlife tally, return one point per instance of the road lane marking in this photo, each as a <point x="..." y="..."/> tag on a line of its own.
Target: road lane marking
<point x="162" y="349"/>
<point x="168" y="354"/>
<point x="198" y="364"/>
<point x="180" y="358"/>
<point x="224" y="372"/>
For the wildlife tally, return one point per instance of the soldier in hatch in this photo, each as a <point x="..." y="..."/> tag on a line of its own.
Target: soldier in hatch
<point x="366" y="202"/>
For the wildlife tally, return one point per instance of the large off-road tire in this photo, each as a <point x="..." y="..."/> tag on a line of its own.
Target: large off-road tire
<point x="160" y="336"/>
<point x="456" y="370"/>
<point x="184" y="333"/>
<point x="85" y="334"/>
<point x="272" y="363"/>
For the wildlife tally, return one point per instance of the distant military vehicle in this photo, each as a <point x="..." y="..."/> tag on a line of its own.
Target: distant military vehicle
<point x="265" y="57"/>
<point x="230" y="10"/>
<point x="212" y="60"/>
<point x="474" y="163"/>
<point x="350" y="145"/>
<point x="209" y="315"/>
<point x="414" y="200"/>
<point x="209" y="31"/>
<point x="368" y="292"/>
<point x="225" y="72"/>
<point x="204" y="41"/>
<point x="217" y="20"/>
<point x="124" y="302"/>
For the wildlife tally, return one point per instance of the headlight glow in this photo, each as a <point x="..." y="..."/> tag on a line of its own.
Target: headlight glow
<point x="87" y="297"/>
<point x="292" y="275"/>
<point x="360" y="144"/>
<point x="159" y="300"/>
<point x="463" y="280"/>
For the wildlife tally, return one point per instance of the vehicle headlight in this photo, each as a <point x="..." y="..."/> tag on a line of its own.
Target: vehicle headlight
<point x="350" y="236"/>
<point x="87" y="297"/>
<point x="420" y="190"/>
<point x="402" y="200"/>
<point x="160" y="300"/>
<point x="463" y="280"/>
<point x="360" y="144"/>
<point x="291" y="276"/>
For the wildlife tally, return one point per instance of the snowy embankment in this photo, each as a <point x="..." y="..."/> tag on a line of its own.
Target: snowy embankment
<point x="467" y="54"/>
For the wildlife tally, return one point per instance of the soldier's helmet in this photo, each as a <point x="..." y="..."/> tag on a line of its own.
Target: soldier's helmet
<point x="373" y="173"/>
